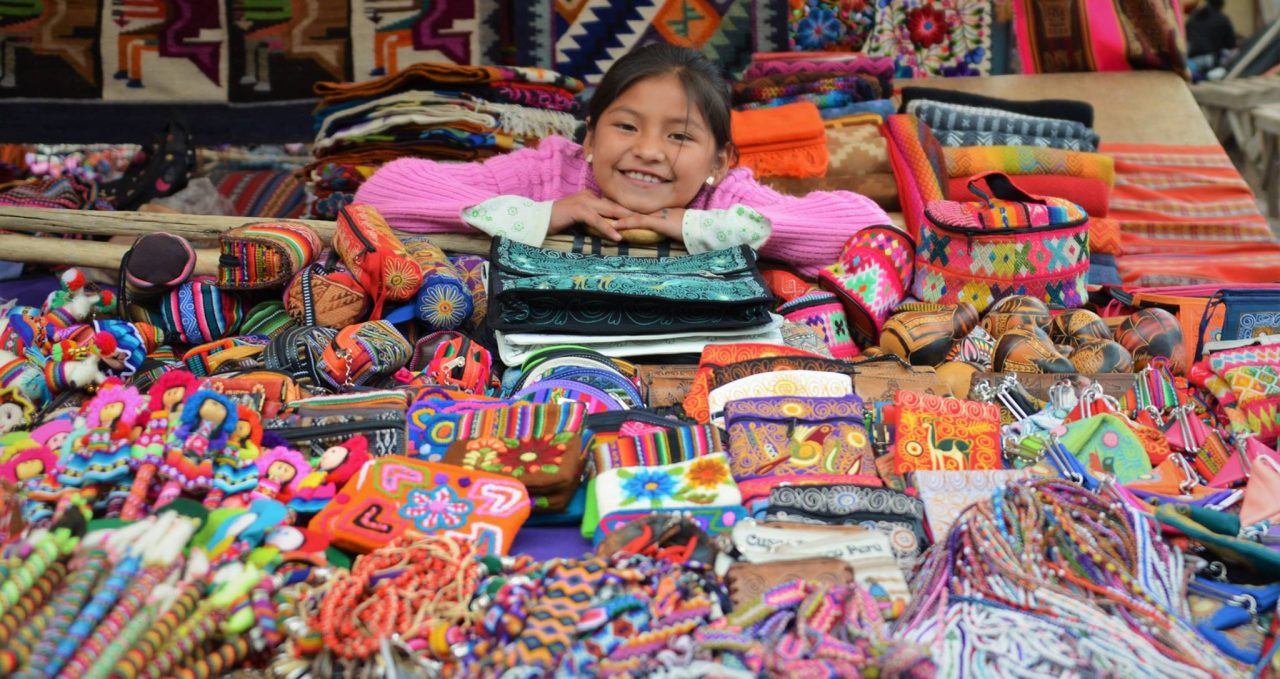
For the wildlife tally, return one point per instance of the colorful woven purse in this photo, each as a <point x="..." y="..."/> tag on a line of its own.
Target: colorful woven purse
<point x="1008" y="243"/>
<point x="361" y="354"/>
<point x="265" y="255"/>
<point x="376" y="256"/>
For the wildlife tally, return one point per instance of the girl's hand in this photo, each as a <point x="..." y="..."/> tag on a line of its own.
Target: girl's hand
<point x="668" y="221"/>
<point x="599" y="214"/>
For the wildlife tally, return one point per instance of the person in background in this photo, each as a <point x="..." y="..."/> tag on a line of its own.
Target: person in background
<point x="1210" y="35"/>
<point x="657" y="158"/>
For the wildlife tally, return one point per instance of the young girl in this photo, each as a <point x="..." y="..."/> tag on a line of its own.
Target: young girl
<point x="657" y="156"/>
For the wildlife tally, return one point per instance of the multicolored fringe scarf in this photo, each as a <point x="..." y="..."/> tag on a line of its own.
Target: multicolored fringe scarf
<point x="918" y="165"/>
<point x="1021" y="160"/>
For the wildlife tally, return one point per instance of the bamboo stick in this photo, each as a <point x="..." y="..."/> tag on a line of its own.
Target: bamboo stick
<point x="82" y="253"/>
<point x="199" y="227"/>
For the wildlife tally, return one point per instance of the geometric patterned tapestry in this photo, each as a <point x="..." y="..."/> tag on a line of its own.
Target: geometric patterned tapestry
<point x="240" y="51"/>
<point x="583" y="38"/>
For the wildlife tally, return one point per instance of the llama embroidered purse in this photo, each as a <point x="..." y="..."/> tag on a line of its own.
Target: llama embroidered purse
<point x="394" y="496"/>
<point x="940" y="433"/>
<point x="1007" y="243"/>
<point x="794" y="435"/>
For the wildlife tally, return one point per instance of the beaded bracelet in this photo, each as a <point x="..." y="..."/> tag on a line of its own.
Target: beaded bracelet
<point x="403" y="590"/>
<point x="32" y="600"/>
<point x="1066" y="567"/>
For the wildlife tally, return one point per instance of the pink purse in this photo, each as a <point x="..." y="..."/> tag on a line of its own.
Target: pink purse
<point x="1007" y="243"/>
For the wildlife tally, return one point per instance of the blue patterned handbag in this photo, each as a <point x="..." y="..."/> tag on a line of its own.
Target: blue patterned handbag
<point x="537" y="290"/>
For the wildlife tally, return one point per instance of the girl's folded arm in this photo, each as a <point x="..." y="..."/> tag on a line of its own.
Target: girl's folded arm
<point x="416" y="194"/>
<point x="809" y="231"/>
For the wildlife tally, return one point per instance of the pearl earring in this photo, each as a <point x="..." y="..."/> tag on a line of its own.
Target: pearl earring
<point x="589" y="157"/>
<point x="711" y="181"/>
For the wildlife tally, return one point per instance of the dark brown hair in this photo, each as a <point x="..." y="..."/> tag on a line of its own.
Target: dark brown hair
<point x="704" y="84"/>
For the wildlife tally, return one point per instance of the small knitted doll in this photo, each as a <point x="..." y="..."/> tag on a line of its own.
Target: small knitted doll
<point x="280" y="471"/>
<point x="235" y="472"/>
<point x="332" y="469"/>
<point x="168" y="395"/>
<point x="101" y="454"/>
<point x="208" y="418"/>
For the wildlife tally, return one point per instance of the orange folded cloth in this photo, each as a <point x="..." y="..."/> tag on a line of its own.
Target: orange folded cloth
<point x="782" y="141"/>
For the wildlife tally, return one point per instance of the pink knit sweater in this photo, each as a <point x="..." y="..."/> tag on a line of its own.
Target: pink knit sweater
<point x="427" y="196"/>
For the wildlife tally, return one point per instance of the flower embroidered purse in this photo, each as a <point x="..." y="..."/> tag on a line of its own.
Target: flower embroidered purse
<point x="394" y="496"/>
<point x="375" y="256"/>
<point x="935" y="432"/>
<point x="796" y="436"/>
<point x="1007" y="243"/>
<point x="700" y="483"/>
<point x="538" y="445"/>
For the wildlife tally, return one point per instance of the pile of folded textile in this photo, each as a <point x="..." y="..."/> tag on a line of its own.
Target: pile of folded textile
<point x="624" y="306"/>
<point x="839" y="84"/>
<point x="437" y="111"/>
<point x="946" y="139"/>
<point x="800" y="114"/>
<point x="962" y="119"/>
<point x="858" y="161"/>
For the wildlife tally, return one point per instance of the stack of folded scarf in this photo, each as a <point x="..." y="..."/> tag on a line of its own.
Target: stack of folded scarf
<point x="781" y="141"/>
<point x="859" y="162"/>
<point x="964" y="119"/>
<point x="438" y="111"/>
<point x="839" y="84"/>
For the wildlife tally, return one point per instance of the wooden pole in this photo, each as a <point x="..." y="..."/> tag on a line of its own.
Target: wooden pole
<point x="207" y="227"/>
<point x="82" y="253"/>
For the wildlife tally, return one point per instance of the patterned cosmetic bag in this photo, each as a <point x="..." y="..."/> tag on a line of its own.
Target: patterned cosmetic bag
<point x="536" y="290"/>
<point x="1008" y="243"/>
<point x="265" y="255"/>
<point x="797" y="435"/>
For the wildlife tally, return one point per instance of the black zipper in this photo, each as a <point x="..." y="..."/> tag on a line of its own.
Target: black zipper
<point x="368" y="246"/>
<point x="612" y="421"/>
<point x="296" y="433"/>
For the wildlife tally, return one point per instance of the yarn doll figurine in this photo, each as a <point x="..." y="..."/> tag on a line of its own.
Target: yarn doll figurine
<point x="102" y="455"/>
<point x="235" y="470"/>
<point x="280" y="471"/>
<point x="332" y="469"/>
<point x="43" y="492"/>
<point x="168" y="395"/>
<point x="208" y="418"/>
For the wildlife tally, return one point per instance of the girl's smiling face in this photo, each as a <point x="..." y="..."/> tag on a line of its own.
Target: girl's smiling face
<point x="651" y="149"/>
